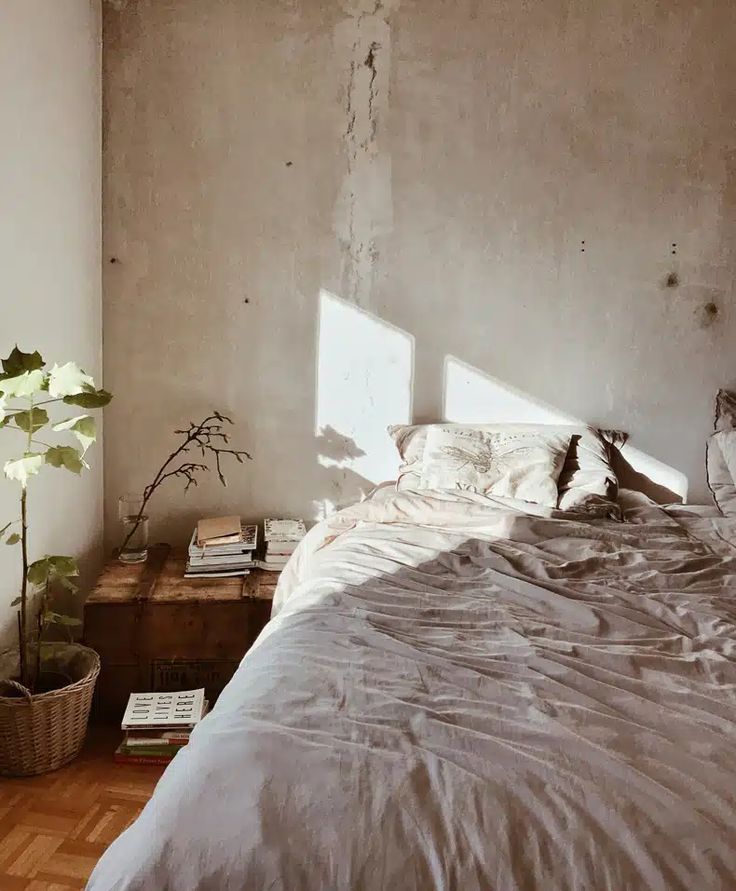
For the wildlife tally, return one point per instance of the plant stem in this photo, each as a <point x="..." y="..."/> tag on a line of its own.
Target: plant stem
<point x="24" y="667"/>
<point x="49" y="401"/>
<point x="207" y="436"/>
<point x="41" y="614"/>
<point x="20" y="644"/>
<point x="151" y="488"/>
<point x="32" y="441"/>
<point x="23" y="642"/>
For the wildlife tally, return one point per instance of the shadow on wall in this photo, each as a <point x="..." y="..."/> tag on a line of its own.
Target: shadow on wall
<point x="336" y="458"/>
<point x="472" y="396"/>
<point x="365" y="381"/>
<point x="364" y="373"/>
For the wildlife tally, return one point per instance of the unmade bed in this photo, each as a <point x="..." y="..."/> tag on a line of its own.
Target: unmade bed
<point x="463" y="692"/>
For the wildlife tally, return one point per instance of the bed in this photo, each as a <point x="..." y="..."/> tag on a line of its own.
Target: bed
<point x="463" y="692"/>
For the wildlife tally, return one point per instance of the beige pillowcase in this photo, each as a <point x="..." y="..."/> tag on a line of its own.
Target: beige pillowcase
<point x="719" y="449"/>
<point x="720" y="459"/>
<point x="725" y="411"/>
<point x="587" y="482"/>
<point x="509" y="463"/>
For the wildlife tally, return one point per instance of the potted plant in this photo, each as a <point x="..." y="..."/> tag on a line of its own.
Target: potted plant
<point x="43" y="714"/>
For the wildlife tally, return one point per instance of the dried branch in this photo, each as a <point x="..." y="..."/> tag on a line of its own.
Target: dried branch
<point x="208" y="437"/>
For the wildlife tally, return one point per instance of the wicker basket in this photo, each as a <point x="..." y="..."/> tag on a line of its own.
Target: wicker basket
<point x="42" y="732"/>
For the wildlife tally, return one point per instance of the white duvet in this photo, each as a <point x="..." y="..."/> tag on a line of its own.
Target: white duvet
<point x="456" y="694"/>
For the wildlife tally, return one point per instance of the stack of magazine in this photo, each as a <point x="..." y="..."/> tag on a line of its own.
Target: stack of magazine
<point x="222" y="547"/>
<point x="281" y="538"/>
<point x="158" y="725"/>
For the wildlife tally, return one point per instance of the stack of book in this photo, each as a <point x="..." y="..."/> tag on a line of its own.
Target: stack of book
<point x="281" y="538"/>
<point x="221" y="547"/>
<point x="158" y="725"/>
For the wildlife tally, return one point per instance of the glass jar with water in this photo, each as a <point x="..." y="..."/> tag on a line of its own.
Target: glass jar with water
<point x="134" y="532"/>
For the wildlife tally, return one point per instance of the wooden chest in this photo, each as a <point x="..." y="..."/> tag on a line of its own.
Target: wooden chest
<point x="156" y="630"/>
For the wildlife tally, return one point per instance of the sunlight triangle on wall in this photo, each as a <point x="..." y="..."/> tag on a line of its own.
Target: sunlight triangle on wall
<point x="471" y="396"/>
<point x="364" y="383"/>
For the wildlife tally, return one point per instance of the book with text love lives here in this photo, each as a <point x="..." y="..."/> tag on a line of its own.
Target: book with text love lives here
<point x="164" y="711"/>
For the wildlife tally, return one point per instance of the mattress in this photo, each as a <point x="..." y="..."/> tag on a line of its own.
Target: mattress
<point x="458" y="692"/>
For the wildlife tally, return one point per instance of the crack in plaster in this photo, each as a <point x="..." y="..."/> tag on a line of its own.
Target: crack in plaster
<point x="364" y="210"/>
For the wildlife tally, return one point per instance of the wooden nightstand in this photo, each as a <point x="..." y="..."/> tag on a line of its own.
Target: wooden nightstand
<point x="156" y="630"/>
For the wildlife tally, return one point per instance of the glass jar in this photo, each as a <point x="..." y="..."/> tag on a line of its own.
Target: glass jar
<point x="134" y="531"/>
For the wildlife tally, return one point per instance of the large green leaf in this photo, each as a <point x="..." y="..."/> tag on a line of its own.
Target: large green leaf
<point x="32" y="420"/>
<point x="25" y="384"/>
<point x="68" y="380"/>
<point x="90" y="398"/>
<point x="38" y="572"/>
<point x="18" y="362"/>
<point x="65" y="456"/>
<point x="21" y="468"/>
<point x="63" y="567"/>
<point x="53" y="568"/>
<point x="13" y="539"/>
<point x="83" y="427"/>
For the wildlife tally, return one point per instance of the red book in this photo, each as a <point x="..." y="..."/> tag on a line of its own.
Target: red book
<point x="155" y="760"/>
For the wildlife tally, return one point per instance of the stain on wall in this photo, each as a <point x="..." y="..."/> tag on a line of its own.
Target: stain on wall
<point x="708" y="314"/>
<point x="449" y="162"/>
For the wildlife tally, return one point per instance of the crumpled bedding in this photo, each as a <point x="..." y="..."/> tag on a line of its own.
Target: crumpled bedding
<point x="456" y="693"/>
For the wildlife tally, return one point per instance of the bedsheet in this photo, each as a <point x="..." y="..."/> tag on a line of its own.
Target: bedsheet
<point x="458" y="693"/>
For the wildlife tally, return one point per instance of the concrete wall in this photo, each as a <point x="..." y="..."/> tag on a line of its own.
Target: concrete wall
<point x="324" y="216"/>
<point x="50" y="57"/>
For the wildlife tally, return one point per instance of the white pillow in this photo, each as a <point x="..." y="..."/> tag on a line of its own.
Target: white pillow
<point x="721" y="469"/>
<point x="719" y="448"/>
<point x="725" y="411"/>
<point x="587" y="483"/>
<point x="512" y="463"/>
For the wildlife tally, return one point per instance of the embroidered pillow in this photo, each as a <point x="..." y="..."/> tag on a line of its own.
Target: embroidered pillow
<point x="510" y="463"/>
<point x="587" y="483"/>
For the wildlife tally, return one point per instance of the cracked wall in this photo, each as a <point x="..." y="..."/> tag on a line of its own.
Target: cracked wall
<point x="511" y="187"/>
<point x="364" y="210"/>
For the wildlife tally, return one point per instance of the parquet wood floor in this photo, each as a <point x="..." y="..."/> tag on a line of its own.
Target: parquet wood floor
<point x="54" y="828"/>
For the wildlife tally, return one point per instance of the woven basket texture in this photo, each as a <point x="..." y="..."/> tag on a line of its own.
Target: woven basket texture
<point x="42" y="732"/>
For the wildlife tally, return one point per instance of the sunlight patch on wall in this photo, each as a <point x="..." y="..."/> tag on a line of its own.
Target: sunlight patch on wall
<point x="471" y="396"/>
<point x="364" y="383"/>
